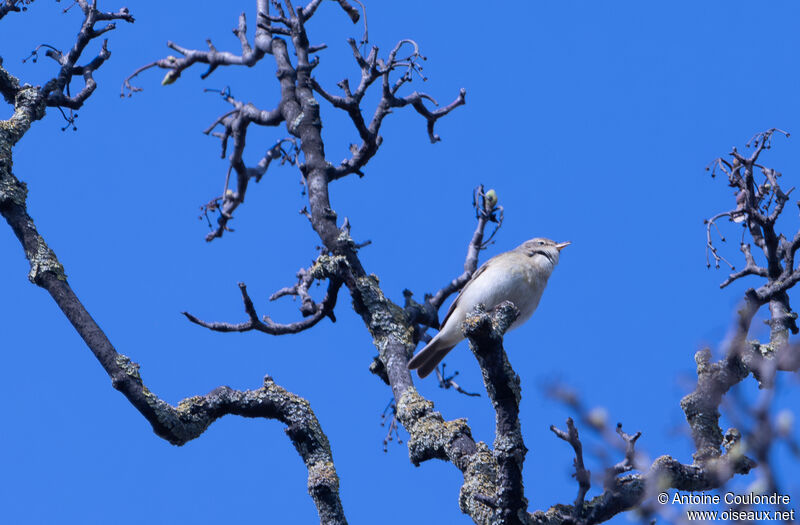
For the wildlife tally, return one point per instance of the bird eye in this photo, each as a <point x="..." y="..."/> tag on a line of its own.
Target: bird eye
<point x="540" y="243"/>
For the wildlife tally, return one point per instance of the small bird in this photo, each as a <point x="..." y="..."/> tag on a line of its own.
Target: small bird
<point x="519" y="276"/>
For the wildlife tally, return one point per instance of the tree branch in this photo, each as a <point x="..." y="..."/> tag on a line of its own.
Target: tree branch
<point x="236" y="125"/>
<point x="485" y="334"/>
<point x="267" y="325"/>
<point x="13" y="6"/>
<point x="582" y="475"/>
<point x="250" y="56"/>
<point x="192" y="416"/>
<point x="372" y="69"/>
<point x="57" y="89"/>
<point x="751" y="268"/>
<point x="486" y="210"/>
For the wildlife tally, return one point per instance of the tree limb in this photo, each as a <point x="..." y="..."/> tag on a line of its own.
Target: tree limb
<point x="485" y="333"/>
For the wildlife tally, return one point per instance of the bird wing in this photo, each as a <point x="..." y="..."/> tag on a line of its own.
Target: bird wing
<point x="455" y="303"/>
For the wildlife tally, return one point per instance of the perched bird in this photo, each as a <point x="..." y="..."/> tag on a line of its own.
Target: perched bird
<point x="519" y="276"/>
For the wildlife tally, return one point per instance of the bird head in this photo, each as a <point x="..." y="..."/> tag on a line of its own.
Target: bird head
<point x="544" y="247"/>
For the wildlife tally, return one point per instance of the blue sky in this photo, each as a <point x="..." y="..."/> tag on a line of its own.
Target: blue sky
<point x="593" y="121"/>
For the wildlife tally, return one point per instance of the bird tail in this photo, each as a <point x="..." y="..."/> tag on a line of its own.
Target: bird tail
<point x="430" y="356"/>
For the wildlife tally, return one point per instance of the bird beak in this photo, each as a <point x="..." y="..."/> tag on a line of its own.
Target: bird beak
<point x="563" y="245"/>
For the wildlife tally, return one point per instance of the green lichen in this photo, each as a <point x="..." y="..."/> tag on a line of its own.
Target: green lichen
<point x="430" y="436"/>
<point x="703" y="360"/>
<point x="480" y="477"/>
<point x="174" y="421"/>
<point x="42" y="260"/>
<point x="322" y="475"/>
<point x="767" y="350"/>
<point x="345" y="240"/>
<point x="385" y="320"/>
<point x="412" y="406"/>
<point x="130" y="368"/>
<point x="7" y="78"/>
<point x="29" y="105"/>
<point x="11" y="189"/>
<point x="189" y="405"/>
<point x="295" y="123"/>
<point x="327" y="266"/>
<point x="510" y="444"/>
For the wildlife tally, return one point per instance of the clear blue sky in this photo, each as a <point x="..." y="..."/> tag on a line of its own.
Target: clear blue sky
<point x="594" y="121"/>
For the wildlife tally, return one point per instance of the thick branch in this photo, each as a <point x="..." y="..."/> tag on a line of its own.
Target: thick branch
<point x="431" y="435"/>
<point x="713" y="381"/>
<point x="485" y="334"/>
<point x="29" y="106"/>
<point x="192" y="416"/>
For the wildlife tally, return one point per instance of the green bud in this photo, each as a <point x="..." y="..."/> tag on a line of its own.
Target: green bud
<point x="171" y="76"/>
<point x="490" y="199"/>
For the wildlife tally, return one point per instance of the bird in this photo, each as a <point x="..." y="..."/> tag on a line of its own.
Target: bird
<point x="519" y="275"/>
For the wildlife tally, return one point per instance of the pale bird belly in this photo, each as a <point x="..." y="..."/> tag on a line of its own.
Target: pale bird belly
<point x="521" y="287"/>
<point x="525" y="294"/>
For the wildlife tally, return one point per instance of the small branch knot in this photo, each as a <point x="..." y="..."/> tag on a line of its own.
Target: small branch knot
<point x="702" y="358"/>
<point x="504" y="316"/>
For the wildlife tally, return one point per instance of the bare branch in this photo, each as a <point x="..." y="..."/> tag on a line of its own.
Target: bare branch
<point x="751" y="268"/>
<point x="582" y="475"/>
<point x="416" y="100"/>
<point x="710" y="248"/>
<point x="235" y="124"/>
<point x="57" y="89"/>
<point x="250" y="55"/>
<point x="628" y="463"/>
<point x="267" y="325"/>
<point x="759" y="203"/>
<point x="393" y="433"/>
<point x="372" y="69"/>
<point x="763" y="140"/>
<point x="13" y="6"/>
<point x="351" y="11"/>
<point x="446" y="382"/>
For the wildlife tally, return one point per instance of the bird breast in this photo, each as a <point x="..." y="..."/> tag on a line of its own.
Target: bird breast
<point x="520" y="281"/>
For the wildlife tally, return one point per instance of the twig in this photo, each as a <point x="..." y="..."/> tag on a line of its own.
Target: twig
<point x="582" y="475"/>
